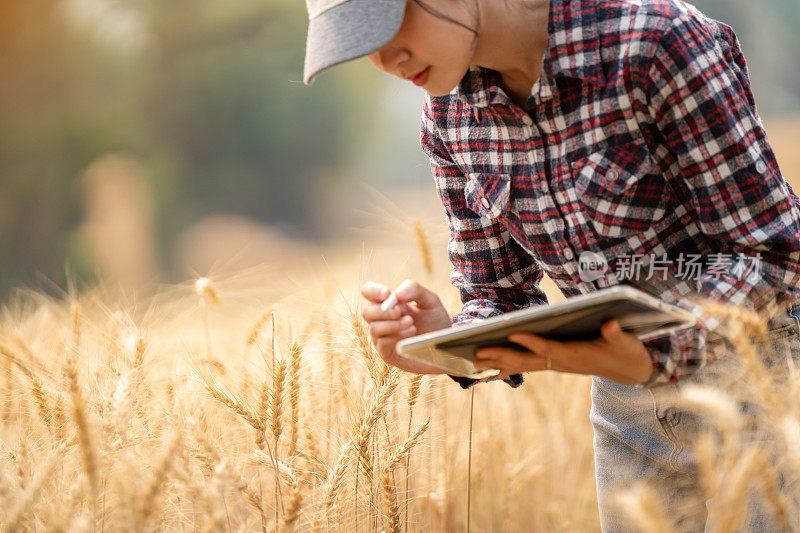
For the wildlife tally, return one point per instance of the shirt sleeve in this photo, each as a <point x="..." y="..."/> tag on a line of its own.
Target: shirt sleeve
<point x="698" y="97"/>
<point x="491" y="271"/>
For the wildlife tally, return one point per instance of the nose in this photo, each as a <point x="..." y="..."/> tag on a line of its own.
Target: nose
<point x="389" y="59"/>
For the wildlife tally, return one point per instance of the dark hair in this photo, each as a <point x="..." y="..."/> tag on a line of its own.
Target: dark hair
<point x="439" y="14"/>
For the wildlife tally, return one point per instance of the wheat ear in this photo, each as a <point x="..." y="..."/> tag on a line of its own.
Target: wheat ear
<point x="293" y="384"/>
<point x="424" y="247"/>
<point x="748" y="324"/>
<point x="728" y="511"/>
<point x="120" y="409"/>
<point x="336" y="476"/>
<point x="41" y="401"/>
<point x="26" y="502"/>
<point x="769" y="485"/>
<point x="148" y="500"/>
<point x="360" y="333"/>
<point x="234" y="404"/>
<point x="387" y="485"/>
<point x="414" y="387"/>
<point x="276" y="399"/>
<point x="641" y="505"/>
<point x="292" y="512"/>
<point x="255" y="331"/>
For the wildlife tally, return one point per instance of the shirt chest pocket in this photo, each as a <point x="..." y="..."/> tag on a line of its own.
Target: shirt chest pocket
<point x="620" y="190"/>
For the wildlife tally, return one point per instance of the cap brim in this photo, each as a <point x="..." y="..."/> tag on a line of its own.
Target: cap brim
<point x="348" y="31"/>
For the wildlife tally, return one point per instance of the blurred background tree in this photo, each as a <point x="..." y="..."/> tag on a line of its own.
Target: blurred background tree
<point x="208" y="98"/>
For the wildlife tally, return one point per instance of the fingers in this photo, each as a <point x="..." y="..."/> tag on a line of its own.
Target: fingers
<point x="411" y="291"/>
<point x="386" y="346"/>
<point x="387" y="343"/>
<point x="510" y="360"/>
<point x="374" y="312"/>
<point x="411" y="297"/>
<point x="535" y="343"/>
<point x="375" y="292"/>
<point x="383" y="328"/>
<point x="408" y="291"/>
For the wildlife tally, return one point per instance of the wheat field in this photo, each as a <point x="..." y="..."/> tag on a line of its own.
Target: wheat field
<point x="254" y="401"/>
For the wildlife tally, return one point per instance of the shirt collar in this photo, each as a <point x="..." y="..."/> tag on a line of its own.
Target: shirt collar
<point x="573" y="50"/>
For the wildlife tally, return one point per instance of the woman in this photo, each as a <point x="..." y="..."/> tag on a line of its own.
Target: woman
<point x="619" y="134"/>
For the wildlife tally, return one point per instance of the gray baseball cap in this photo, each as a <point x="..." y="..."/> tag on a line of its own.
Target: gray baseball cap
<point x="341" y="30"/>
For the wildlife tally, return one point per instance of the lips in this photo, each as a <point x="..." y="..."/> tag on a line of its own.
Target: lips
<point x="421" y="77"/>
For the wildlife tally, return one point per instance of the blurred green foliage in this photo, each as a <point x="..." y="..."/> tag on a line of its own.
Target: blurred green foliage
<point x="208" y="96"/>
<point x="771" y="43"/>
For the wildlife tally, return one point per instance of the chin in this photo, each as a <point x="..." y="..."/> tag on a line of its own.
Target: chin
<point x="438" y="87"/>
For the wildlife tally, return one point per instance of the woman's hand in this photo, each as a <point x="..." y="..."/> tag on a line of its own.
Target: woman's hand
<point x="418" y="310"/>
<point x="616" y="355"/>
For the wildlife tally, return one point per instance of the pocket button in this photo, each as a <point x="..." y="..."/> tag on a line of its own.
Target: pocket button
<point x="488" y="194"/>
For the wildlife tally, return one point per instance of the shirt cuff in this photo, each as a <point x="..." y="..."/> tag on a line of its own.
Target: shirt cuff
<point x="656" y="347"/>
<point x="678" y="355"/>
<point x="514" y="380"/>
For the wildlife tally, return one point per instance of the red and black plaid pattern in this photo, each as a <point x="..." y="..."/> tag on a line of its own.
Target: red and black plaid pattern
<point x="641" y="136"/>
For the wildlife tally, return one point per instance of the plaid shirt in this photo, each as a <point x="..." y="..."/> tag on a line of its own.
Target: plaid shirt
<point x="639" y="148"/>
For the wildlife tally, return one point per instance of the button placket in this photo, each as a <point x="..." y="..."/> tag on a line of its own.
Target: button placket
<point x="546" y="200"/>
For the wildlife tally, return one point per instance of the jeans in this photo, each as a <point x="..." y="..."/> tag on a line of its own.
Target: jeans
<point x="642" y="434"/>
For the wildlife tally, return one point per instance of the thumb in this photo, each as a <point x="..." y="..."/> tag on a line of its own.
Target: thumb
<point x="611" y="331"/>
<point x="411" y="291"/>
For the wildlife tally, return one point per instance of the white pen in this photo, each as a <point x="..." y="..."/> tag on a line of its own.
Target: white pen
<point x="389" y="302"/>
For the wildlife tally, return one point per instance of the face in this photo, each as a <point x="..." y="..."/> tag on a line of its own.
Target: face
<point x="430" y="45"/>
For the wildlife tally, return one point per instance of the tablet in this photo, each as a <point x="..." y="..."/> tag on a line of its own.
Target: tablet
<point x="577" y="318"/>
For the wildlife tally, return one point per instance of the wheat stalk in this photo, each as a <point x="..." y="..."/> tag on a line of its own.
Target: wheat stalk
<point x="205" y="288"/>
<point x="88" y="451"/>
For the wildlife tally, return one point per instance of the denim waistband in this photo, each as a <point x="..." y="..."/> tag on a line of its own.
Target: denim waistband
<point x="790" y="310"/>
